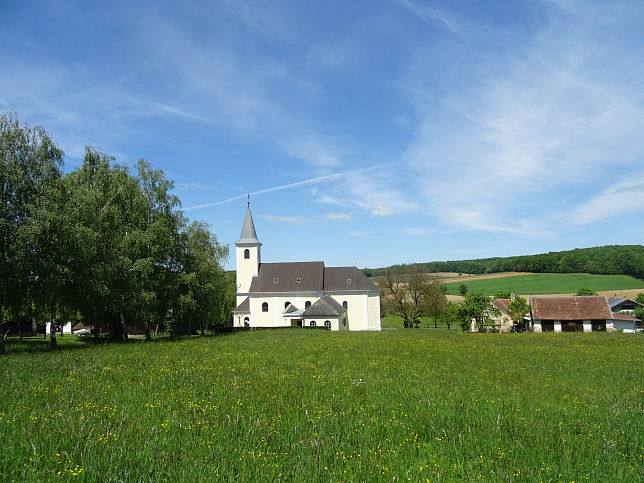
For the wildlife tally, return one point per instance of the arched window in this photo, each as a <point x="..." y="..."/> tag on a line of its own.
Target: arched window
<point x="327" y="324"/>
<point x="246" y="321"/>
<point x="286" y="304"/>
<point x="247" y="254"/>
<point x="345" y="304"/>
<point x="265" y="307"/>
<point x="313" y="324"/>
<point x="307" y="304"/>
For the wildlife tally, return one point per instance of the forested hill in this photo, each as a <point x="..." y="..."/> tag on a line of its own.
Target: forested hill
<point x="606" y="260"/>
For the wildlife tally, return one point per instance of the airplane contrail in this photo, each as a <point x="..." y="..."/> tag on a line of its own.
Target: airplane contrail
<point x="268" y="190"/>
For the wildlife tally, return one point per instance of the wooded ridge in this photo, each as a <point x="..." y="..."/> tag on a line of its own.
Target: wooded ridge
<point x="604" y="260"/>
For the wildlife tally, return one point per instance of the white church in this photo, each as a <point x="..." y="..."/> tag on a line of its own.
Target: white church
<point x="300" y="294"/>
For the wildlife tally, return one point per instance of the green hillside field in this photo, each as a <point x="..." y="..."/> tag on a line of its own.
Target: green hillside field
<point x="548" y="283"/>
<point x="312" y="405"/>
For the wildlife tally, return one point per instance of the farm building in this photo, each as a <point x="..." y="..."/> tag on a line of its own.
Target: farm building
<point x="576" y="314"/>
<point x="300" y="294"/>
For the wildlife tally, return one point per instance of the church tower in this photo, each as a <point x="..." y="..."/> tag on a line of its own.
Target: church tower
<point x="248" y="253"/>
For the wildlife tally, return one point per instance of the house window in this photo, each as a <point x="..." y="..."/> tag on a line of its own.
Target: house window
<point x="327" y="324"/>
<point x="246" y="321"/>
<point x="247" y="254"/>
<point x="307" y="304"/>
<point x="345" y="304"/>
<point x="265" y="307"/>
<point x="286" y="304"/>
<point x="313" y="324"/>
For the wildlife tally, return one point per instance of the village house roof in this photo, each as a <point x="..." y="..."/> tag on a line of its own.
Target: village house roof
<point x="248" y="234"/>
<point x="502" y="304"/>
<point x="571" y="308"/>
<point x="625" y="317"/>
<point x="308" y="277"/>
<point x="615" y="301"/>
<point x="326" y="306"/>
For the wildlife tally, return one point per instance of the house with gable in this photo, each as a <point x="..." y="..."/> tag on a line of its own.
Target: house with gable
<point x="300" y="294"/>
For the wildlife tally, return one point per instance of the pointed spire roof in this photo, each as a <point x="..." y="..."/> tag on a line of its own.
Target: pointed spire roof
<point x="248" y="234"/>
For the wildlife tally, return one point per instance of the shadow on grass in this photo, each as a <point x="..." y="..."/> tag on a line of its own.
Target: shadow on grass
<point x="36" y="344"/>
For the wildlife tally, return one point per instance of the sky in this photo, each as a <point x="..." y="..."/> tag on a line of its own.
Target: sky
<point x="367" y="132"/>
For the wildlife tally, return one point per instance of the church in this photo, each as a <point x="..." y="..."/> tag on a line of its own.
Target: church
<point x="300" y="294"/>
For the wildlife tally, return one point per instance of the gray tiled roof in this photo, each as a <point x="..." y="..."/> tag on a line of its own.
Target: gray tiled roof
<point x="289" y="277"/>
<point x="244" y="307"/>
<point x="325" y="307"/>
<point x="346" y="278"/>
<point x="248" y="234"/>
<point x="308" y="277"/>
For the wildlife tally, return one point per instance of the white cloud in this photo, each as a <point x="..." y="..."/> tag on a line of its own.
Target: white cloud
<point x="433" y="15"/>
<point x="294" y="220"/>
<point x="621" y="198"/>
<point x="560" y="113"/>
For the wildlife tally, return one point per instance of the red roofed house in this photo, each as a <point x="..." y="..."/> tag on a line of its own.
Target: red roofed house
<point x="576" y="314"/>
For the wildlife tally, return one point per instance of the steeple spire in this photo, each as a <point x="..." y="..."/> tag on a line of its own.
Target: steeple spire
<point x="248" y="234"/>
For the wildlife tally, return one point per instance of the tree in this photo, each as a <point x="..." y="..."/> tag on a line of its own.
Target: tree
<point x="450" y="315"/>
<point x="517" y="309"/>
<point x="477" y="307"/>
<point x="586" y="292"/>
<point x="408" y="292"/>
<point x="462" y="289"/>
<point x="202" y="278"/>
<point x="29" y="162"/>
<point x="502" y="294"/>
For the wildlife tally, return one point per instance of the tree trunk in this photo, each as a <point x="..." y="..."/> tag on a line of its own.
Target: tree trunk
<point x="3" y="349"/>
<point x="52" y="328"/>
<point x="123" y="328"/>
<point x="201" y="325"/>
<point x="146" y="327"/>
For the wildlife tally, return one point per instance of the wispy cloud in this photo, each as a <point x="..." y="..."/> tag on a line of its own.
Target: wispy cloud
<point x="561" y="113"/>
<point x="433" y="15"/>
<point x="621" y="198"/>
<point x="295" y="220"/>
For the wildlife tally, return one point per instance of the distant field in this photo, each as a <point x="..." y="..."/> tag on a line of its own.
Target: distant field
<point x="298" y="405"/>
<point x="547" y="283"/>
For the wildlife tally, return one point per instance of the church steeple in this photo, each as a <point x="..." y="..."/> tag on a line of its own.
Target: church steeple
<point x="248" y="233"/>
<point x="248" y="254"/>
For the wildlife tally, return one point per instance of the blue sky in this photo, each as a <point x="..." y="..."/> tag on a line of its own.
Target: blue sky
<point x="369" y="132"/>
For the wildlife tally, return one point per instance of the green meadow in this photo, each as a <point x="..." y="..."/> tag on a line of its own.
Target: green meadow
<point x="547" y="283"/>
<point x="315" y="405"/>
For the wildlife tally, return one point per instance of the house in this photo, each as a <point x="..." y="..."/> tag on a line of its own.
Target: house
<point x="626" y="323"/>
<point x="571" y="314"/>
<point x="619" y="304"/>
<point x="300" y="294"/>
<point x="504" y="322"/>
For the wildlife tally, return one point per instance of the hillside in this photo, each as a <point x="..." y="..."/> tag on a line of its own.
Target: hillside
<point x="606" y="260"/>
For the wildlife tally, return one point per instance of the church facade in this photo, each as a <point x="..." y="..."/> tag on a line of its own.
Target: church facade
<point x="300" y="294"/>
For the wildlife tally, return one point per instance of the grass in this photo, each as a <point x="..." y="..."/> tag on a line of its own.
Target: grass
<point x="315" y="405"/>
<point x="548" y="283"/>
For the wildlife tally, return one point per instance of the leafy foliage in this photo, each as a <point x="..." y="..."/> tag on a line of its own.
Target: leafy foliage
<point x="410" y="294"/>
<point x="605" y="260"/>
<point x="100" y="243"/>
<point x="586" y="292"/>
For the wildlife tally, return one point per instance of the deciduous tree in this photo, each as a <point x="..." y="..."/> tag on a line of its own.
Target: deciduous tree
<point x="410" y="293"/>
